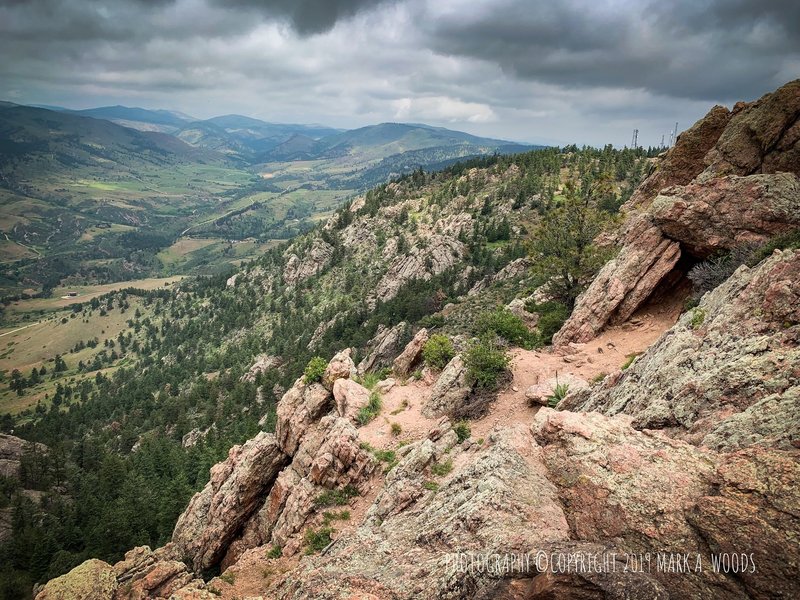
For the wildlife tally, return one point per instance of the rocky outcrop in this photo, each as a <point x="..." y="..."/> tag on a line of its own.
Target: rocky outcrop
<point x="383" y="347"/>
<point x="12" y="449"/>
<point x="440" y="254"/>
<point x="91" y="580"/>
<point x="685" y="160"/>
<point x="313" y="262"/>
<point x="716" y="378"/>
<point x="330" y="457"/>
<point x="513" y="270"/>
<point x="735" y="211"/>
<point x="237" y="487"/>
<point x="450" y="390"/>
<point x="578" y="485"/>
<point x="350" y="398"/>
<point x="761" y="137"/>
<point x="262" y="364"/>
<point x="734" y="197"/>
<point x="301" y="406"/>
<point x="144" y="574"/>
<point x="411" y="355"/>
<point x="341" y="365"/>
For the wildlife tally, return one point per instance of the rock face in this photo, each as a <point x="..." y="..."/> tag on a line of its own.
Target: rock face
<point x="441" y="253"/>
<point x="301" y="406"/>
<point x="216" y="514"/>
<point x="91" y="580"/>
<point x="341" y="365"/>
<point x="315" y="259"/>
<point x="12" y="450"/>
<point x="350" y="398"/>
<point x="411" y="355"/>
<point x="578" y="484"/>
<point x="712" y="378"/>
<point x="449" y="391"/>
<point x="718" y="188"/>
<point x="383" y="347"/>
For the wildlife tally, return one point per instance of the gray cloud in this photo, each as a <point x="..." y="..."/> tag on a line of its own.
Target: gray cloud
<point x="584" y="71"/>
<point x="306" y="16"/>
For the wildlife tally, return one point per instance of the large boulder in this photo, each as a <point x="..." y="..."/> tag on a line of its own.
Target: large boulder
<point x="451" y="389"/>
<point x="340" y="366"/>
<point x="350" y="398"/>
<point x="145" y="574"/>
<point x="411" y="355"/>
<point x="713" y="377"/>
<point x="236" y="489"/>
<point x="383" y="347"/>
<point x="90" y="580"/>
<point x="299" y="407"/>
<point x="734" y="211"/>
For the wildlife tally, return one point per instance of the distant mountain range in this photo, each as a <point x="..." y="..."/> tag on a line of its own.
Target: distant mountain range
<point x="253" y="141"/>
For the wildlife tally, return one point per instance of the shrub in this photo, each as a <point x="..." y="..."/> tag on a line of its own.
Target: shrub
<point x="387" y="456"/>
<point x="505" y="324"/>
<point x="438" y="351"/>
<point x="317" y="540"/>
<point x="551" y="317"/>
<point x="440" y="469"/>
<point x="396" y="429"/>
<point x="336" y="497"/>
<point x="462" y="430"/>
<point x="698" y="318"/>
<point x="275" y="552"/>
<point x="430" y="485"/>
<point x="371" y="410"/>
<point x="315" y="369"/>
<point x="559" y="393"/>
<point x="486" y="361"/>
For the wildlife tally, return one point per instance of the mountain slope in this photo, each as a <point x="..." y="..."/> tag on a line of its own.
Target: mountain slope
<point x="332" y="498"/>
<point x="138" y="118"/>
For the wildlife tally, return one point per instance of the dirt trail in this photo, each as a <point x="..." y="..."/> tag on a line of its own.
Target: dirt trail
<point x="603" y="355"/>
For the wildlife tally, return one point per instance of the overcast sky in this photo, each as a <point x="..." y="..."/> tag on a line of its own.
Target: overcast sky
<point x="552" y="71"/>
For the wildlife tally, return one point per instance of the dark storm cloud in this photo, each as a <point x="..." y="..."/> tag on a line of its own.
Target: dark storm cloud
<point x="571" y="70"/>
<point x="306" y="16"/>
<point x="703" y="50"/>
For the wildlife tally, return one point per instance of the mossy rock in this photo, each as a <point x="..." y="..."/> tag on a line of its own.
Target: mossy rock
<point x="91" y="580"/>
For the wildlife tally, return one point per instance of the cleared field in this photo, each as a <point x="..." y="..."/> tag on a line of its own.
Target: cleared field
<point x="34" y="345"/>
<point x="85" y="293"/>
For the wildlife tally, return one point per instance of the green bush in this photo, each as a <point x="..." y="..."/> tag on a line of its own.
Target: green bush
<point x="440" y="469"/>
<point x="486" y="361"/>
<point x="698" y="318"/>
<point x="371" y="410"/>
<point x="505" y="324"/>
<point x="315" y="369"/>
<point x="462" y="430"/>
<point x="397" y="429"/>
<point x="438" y="351"/>
<point x="275" y="552"/>
<point x="317" y="540"/>
<point x="629" y="360"/>
<point x="336" y="497"/>
<point x="551" y="317"/>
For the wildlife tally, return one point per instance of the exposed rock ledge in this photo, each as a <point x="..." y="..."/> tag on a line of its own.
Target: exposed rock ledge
<point x="745" y="189"/>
